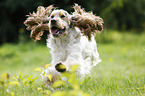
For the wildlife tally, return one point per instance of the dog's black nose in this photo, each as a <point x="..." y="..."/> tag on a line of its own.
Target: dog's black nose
<point x="53" y="21"/>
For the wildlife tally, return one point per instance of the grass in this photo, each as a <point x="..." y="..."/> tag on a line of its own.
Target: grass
<point x="121" y="72"/>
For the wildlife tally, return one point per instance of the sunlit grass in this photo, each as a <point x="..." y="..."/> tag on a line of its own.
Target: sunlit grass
<point x="23" y="57"/>
<point x="121" y="72"/>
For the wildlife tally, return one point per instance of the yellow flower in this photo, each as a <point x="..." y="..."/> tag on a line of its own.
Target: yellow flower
<point x="110" y="59"/>
<point x="38" y="69"/>
<point x="12" y="94"/>
<point x="49" y="76"/>
<point x="39" y="88"/>
<point x="46" y="66"/>
<point x="58" y="83"/>
<point x="13" y="83"/>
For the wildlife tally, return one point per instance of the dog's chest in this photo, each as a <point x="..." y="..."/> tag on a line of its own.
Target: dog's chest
<point x="60" y="49"/>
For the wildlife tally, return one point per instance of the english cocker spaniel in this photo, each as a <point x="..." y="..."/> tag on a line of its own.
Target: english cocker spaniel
<point x="71" y="38"/>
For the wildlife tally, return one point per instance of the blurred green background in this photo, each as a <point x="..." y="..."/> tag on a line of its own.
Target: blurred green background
<point x="121" y="45"/>
<point x="124" y="26"/>
<point x="122" y="15"/>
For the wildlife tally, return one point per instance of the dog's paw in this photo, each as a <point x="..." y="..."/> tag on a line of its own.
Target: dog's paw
<point x="50" y="75"/>
<point x="60" y="67"/>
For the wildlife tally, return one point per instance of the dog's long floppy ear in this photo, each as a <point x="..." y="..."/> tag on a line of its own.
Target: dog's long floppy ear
<point x="38" y="22"/>
<point x="86" y="21"/>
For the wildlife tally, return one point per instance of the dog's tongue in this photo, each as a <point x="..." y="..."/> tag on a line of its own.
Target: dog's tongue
<point x="54" y="30"/>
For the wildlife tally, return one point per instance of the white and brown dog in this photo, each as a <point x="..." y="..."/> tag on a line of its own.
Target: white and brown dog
<point x="71" y="38"/>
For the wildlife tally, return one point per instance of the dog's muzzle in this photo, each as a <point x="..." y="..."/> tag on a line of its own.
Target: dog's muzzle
<point x="55" y="30"/>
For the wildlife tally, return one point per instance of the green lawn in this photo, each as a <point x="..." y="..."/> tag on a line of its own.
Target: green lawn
<point x="121" y="72"/>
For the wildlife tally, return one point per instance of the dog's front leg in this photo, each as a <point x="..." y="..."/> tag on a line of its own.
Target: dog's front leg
<point x="72" y="59"/>
<point x="50" y="71"/>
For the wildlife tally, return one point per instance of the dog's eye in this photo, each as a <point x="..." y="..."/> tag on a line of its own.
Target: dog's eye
<point x="52" y="16"/>
<point x="62" y="16"/>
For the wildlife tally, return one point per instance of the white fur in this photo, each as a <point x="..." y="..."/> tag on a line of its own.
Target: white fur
<point x="71" y="48"/>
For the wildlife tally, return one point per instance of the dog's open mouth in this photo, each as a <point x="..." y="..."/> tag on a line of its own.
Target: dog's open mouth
<point x="57" y="31"/>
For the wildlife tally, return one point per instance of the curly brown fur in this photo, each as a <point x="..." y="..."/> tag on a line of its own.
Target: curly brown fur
<point x="37" y="22"/>
<point x="86" y="21"/>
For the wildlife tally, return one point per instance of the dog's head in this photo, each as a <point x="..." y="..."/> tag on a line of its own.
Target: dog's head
<point x="57" y="22"/>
